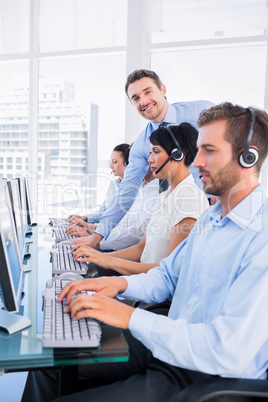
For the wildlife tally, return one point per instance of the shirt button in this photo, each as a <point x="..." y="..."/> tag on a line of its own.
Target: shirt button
<point x="170" y="361"/>
<point x="203" y="254"/>
<point x="197" y="284"/>
<point x="140" y="339"/>
<point x="187" y="311"/>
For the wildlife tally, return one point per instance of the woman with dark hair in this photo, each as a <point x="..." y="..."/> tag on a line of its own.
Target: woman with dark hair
<point x="85" y="225"/>
<point x="121" y="151"/>
<point x="173" y="149"/>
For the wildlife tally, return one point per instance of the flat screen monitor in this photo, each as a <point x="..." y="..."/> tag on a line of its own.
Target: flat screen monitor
<point x="28" y="203"/>
<point x="21" y="181"/>
<point x="11" y="272"/>
<point x="13" y="188"/>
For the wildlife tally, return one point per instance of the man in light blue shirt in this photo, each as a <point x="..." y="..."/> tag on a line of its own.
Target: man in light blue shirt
<point x="217" y="280"/>
<point x="148" y="95"/>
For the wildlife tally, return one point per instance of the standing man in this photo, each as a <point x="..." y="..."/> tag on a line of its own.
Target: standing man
<point x="217" y="280"/>
<point x="148" y="95"/>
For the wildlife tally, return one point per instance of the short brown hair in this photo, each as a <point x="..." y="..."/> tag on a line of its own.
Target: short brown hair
<point x="142" y="73"/>
<point x="238" y="121"/>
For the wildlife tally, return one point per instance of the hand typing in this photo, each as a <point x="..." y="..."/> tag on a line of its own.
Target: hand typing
<point x="107" y="286"/>
<point x="102" y="308"/>
<point x="89" y="254"/>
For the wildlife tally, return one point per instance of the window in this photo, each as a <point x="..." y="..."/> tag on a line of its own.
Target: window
<point x="200" y="49"/>
<point x="13" y="77"/>
<point x="195" y="20"/>
<point x="14" y="35"/>
<point x="87" y="24"/>
<point x="205" y="74"/>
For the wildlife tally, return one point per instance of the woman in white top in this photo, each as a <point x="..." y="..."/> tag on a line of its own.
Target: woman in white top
<point x="173" y="149"/>
<point x="85" y="225"/>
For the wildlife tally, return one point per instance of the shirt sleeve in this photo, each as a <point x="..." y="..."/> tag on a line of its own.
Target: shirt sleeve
<point x="128" y="189"/>
<point x="123" y="237"/>
<point x="227" y="344"/>
<point x="95" y="216"/>
<point x="159" y="283"/>
<point x="132" y="227"/>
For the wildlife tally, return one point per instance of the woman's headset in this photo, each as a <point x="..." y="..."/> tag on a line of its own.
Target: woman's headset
<point x="176" y="153"/>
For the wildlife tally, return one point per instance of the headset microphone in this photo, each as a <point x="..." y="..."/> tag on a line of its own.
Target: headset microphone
<point x="176" y="153"/>
<point x="250" y="156"/>
<point x="164" y="164"/>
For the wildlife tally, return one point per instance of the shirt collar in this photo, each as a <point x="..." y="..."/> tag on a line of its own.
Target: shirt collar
<point x="244" y="213"/>
<point x="169" y="118"/>
<point x="171" y="115"/>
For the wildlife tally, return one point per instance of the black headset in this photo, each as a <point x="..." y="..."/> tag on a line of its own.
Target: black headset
<point x="127" y="157"/>
<point x="176" y="153"/>
<point x="250" y="156"/>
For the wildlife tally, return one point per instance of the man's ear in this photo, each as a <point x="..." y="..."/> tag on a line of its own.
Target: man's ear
<point x="163" y="90"/>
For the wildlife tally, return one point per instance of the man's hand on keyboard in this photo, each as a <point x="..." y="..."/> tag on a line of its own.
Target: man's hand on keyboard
<point x="102" y="308"/>
<point x="73" y="217"/>
<point x="75" y="230"/>
<point x="92" y="241"/>
<point x="107" y="286"/>
<point x="79" y="222"/>
<point x="89" y="254"/>
<point x="89" y="227"/>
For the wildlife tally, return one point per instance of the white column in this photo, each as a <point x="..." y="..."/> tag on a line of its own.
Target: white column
<point x="33" y="101"/>
<point x="138" y="56"/>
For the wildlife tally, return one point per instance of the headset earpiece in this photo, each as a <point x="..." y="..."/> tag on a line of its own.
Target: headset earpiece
<point x="125" y="163"/>
<point x="250" y="156"/>
<point x="177" y="154"/>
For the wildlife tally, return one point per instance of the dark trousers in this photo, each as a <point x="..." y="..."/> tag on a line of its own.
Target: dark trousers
<point x="143" y="379"/>
<point x="99" y="270"/>
<point x="105" y="272"/>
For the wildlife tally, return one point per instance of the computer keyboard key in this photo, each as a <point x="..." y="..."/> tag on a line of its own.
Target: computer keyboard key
<point x="59" y="329"/>
<point x="62" y="260"/>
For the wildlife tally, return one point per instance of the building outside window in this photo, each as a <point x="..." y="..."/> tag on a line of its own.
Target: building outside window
<point x="62" y="101"/>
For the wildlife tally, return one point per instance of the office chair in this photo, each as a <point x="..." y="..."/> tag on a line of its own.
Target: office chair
<point x="157" y="308"/>
<point x="206" y="389"/>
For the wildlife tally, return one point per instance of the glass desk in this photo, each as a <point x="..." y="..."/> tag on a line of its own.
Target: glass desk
<point x="23" y="350"/>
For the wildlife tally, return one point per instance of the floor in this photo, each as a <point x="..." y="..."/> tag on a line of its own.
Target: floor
<point x="12" y="386"/>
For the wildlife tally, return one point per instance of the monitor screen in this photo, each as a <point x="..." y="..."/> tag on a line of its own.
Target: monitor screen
<point x="11" y="272"/>
<point x="22" y="192"/>
<point x="28" y="202"/>
<point x="13" y="188"/>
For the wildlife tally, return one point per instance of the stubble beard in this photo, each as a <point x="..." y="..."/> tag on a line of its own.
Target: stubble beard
<point x="224" y="180"/>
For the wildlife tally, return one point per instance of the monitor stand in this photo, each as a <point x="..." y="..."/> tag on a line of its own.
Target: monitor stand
<point x="26" y="257"/>
<point x="32" y="225"/>
<point x="13" y="322"/>
<point x="29" y="232"/>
